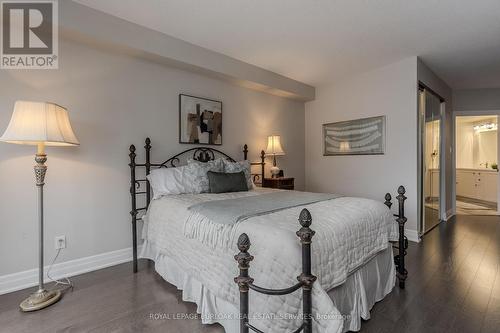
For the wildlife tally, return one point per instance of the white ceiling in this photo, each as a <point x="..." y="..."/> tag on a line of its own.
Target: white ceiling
<point x="322" y="41"/>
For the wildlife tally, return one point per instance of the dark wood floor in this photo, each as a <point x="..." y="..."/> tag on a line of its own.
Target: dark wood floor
<point x="454" y="286"/>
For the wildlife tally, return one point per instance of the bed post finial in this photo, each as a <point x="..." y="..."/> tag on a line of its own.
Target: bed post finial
<point x="401" y="189"/>
<point x="243" y="280"/>
<point x="305" y="219"/>
<point x="401" y="199"/>
<point x="132" y="154"/>
<point x="245" y="152"/>
<point x="402" y="273"/>
<point x="388" y="199"/>
<point x="244" y="243"/>
<point x="306" y="278"/>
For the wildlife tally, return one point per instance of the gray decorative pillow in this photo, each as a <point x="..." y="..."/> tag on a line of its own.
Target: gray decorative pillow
<point x="197" y="173"/>
<point x="232" y="167"/>
<point x="221" y="182"/>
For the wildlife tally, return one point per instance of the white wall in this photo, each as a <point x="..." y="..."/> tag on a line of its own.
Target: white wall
<point x="114" y="101"/>
<point x="390" y="91"/>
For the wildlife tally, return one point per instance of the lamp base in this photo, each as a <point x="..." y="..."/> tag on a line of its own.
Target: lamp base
<point x="40" y="299"/>
<point x="275" y="171"/>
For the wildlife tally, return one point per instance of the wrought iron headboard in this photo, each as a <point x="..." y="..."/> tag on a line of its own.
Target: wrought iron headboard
<point x="202" y="154"/>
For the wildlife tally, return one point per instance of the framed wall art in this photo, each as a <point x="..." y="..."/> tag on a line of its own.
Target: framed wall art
<point x="355" y="137"/>
<point x="200" y="120"/>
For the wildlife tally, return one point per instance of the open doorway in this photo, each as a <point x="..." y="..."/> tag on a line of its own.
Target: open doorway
<point x="476" y="142"/>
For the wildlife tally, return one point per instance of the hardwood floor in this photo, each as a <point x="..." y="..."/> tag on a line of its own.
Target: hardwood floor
<point x="453" y="286"/>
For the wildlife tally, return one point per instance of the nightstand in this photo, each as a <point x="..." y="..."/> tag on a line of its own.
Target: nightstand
<point x="281" y="183"/>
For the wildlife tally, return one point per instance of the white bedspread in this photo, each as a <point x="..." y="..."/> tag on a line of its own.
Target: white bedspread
<point x="349" y="232"/>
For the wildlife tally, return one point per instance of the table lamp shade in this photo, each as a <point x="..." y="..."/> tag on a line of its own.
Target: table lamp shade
<point x="274" y="146"/>
<point x="33" y="123"/>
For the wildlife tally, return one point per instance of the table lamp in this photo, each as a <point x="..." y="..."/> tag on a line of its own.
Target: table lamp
<point x="274" y="149"/>
<point x="40" y="124"/>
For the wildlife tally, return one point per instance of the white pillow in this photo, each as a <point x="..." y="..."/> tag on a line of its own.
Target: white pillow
<point x="197" y="171"/>
<point x="188" y="179"/>
<point x="231" y="167"/>
<point x="166" y="181"/>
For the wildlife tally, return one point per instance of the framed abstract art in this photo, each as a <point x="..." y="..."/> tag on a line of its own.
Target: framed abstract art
<point x="200" y="120"/>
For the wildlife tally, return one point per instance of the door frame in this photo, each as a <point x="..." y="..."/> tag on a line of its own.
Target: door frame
<point x="454" y="155"/>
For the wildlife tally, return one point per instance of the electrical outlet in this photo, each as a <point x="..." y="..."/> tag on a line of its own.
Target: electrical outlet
<point x="60" y="242"/>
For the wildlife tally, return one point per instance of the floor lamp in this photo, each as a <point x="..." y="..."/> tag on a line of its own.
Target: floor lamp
<point x="40" y="124"/>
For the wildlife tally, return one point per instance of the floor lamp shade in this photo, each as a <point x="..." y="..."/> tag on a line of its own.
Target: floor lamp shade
<point x="33" y="123"/>
<point x="41" y="124"/>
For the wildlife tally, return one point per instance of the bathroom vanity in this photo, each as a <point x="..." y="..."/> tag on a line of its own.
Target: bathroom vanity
<point x="480" y="184"/>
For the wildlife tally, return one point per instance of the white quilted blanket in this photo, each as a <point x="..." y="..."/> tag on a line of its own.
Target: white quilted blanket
<point x="349" y="232"/>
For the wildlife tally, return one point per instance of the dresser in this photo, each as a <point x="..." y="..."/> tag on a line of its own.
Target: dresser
<point x="282" y="183"/>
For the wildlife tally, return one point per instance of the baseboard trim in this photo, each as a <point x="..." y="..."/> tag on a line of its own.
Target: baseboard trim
<point x="29" y="278"/>
<point x="449" y="214"/>
<point x="412" y="235"/>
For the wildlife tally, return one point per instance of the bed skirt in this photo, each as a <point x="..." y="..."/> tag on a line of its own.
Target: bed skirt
<point x="354" y="299"/>
<point x="363" y="288"/>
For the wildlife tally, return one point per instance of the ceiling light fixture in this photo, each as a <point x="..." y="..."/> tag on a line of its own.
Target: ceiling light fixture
<point x="485" y="127"/>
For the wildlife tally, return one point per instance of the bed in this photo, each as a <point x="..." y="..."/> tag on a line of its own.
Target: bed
<point x="349" y="252"/>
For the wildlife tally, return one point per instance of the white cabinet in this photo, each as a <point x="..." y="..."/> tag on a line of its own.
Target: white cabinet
<point x="465" y="184"/>
<point x="477" y="184"/>
<point x="488" y="186"/>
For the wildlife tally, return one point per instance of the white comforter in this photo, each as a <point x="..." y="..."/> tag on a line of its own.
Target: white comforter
<point x="349" y="232"/>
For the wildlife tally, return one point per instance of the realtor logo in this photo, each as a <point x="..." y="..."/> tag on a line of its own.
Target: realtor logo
<point x="29" y="35"/>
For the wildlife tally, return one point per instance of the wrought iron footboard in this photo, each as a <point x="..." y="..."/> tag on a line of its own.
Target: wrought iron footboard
<point x="306" y="279"/>
<point x="402" y="244"/>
